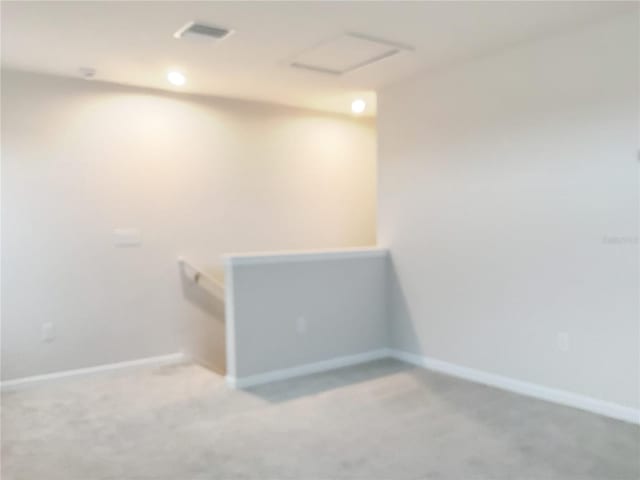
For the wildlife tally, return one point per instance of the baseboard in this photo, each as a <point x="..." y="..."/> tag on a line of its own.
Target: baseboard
<point x="306" y="369"/>
<point x="24" y="382"/>
<point x="561" y="397"/>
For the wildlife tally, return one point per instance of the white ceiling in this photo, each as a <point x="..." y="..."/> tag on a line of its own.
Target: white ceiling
<point x="132" y="42"/>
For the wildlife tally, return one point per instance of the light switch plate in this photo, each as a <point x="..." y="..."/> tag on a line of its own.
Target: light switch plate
<point x="127" y="237"/>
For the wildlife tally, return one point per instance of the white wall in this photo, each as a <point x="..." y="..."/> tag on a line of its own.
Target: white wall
<point x="508" y="195"/>
<point x="290" y="310"/>
<point x="197" y="176"/>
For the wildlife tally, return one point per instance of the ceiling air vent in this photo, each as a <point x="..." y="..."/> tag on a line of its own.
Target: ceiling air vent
<point x="202" y="31"/>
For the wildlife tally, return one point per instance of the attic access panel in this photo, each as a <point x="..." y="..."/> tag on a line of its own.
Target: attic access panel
<point x="346" y="53"/>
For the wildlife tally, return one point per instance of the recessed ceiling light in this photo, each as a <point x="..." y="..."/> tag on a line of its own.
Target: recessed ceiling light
<point x="176" y="78"/>
<point x="358" y="106"/>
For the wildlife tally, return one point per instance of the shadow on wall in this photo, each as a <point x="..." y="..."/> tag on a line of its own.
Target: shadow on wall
<point x="402" y="332"/>
<point x="400" y="336"/>
<point x="205" y="329"/>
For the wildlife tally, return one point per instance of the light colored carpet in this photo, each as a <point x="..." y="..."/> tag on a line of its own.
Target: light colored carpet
<point x="383" y="420"/>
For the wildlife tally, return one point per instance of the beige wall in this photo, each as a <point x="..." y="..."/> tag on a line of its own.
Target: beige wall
<point x="508" y="196"/>
<point x="197" y="176"/>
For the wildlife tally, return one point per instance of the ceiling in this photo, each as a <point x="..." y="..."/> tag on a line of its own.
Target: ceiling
<point x="132" y="42"/>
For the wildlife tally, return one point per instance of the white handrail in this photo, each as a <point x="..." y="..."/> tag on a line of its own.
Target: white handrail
<point x="197" y="276"/>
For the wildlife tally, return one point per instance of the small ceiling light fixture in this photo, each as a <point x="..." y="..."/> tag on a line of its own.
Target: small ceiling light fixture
<point x="358" y="106"/>
<point x="176" y="78"/>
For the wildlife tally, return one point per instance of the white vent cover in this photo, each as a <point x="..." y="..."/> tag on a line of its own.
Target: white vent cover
<point x="202" y="31"/>
<point x="347" y="53"/>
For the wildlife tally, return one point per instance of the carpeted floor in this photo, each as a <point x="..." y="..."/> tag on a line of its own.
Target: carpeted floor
<point x="383" y="420"/>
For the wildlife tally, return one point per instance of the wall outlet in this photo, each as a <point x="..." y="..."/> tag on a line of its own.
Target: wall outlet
<point x="127" y="237"/>
<point x="562" y="341"/>
<point x="48" y="333"/>
<point x="301" y="325"/>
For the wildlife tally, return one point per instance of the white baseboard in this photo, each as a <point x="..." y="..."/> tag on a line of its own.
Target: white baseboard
<point x="306" y="369"/>
<point x="561" y="397"/>
<point x="553" y="395"/>
<point x="24" y="382"/>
